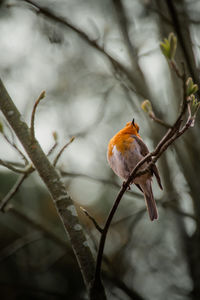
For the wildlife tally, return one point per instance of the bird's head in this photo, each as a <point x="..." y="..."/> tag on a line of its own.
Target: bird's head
<point x="132" y="126"/>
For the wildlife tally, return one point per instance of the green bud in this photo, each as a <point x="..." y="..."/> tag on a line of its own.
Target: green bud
<point x="173" y="44"/>
<point x="191" y="88"/>
<point x="165" y="48"/>
<point x="195" y="88"/>
<point x="194" y="106"/>
<point x="146" y="106"/>
<point x="168" y="47"/>
<point x="189" y="85"/>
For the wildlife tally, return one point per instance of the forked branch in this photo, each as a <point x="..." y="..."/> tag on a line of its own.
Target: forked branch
<point x="172" y="134"/>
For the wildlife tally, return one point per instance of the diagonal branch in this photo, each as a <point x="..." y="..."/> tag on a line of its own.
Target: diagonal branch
<point x="63" y="202"/>
<point x="15" y="188"/>
<point x="62" y="150"/>
<point x="172" y="134"/>
<point x="11" y="167"/>
<point x="12" y="143"/>
<point x="92" y="219"/>
<point x="118" y="68"/>
<point x="97" y="179"/>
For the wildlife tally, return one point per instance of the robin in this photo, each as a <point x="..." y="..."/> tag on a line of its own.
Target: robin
<point x="125" y="150"/>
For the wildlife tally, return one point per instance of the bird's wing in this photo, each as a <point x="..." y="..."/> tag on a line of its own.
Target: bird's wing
<point x="143" y="148"/>
<point x="144" y="152"/>
<point x="156" y="173"/>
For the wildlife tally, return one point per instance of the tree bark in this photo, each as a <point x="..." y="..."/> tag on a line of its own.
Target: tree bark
<point x="63" y="202"/>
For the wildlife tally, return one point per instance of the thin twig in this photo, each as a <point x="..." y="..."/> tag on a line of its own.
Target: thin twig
<point x="42" y="95"/>
<point x="15" y="188"/>
<point x="14" y="163"/>
<point x="55" y="137"/>
<point x="37" y="225"/>
<point x="11" y="167"/>
<point x="15" y="147"/>
<point x="118" y="67"/>
<point x="175" y="68"/>
<point x="172" y="134"/>
<point x="92" y="219"/>
<point x="181" y="76"/>
<point x="51" y="150"/>
<point x="18" y="244"/>
<point x="159" y="121"/>
<point x="97" y="179"/>
<point x="63" y="202"/>
<point x="61" y="151"/>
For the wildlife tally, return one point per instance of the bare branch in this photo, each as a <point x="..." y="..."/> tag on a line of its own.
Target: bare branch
<point x="51" y="150"/>
<point x="18" y="244"/>
<point x="39" y="226"/>
<point x="62" y="150"/>
<point x="9" y="166"/>
<point x="159" y="121"/>
<point x="175" y="68"/>
<point x="118" y="68"/>
<point x="97" y="179"/>
<point x="92" y="219"/>
<point x="63" y="202"/>
<point x="13" y="144"/>
<point x="172" y="134"/>
<point x="123" y="23"/>
<point x="15" y="189"/>
<point x="42" y="95"/>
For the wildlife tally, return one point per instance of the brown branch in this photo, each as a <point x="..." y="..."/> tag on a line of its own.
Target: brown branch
<point x="15" y="147"/>
<point x="55" y="137"/>
<point x="159" y="121"/>
<point x="15" y="189"/>
<point x="9" y="166"/>
<point x="51" y="150"/>
<point x="139" y="80"/>
<point x="123" y="23"/>
<point x="42" y="95"/>
<point x="184" y="37"/>
<point x="39" y="226"/>
<point x="118" y="68"/>
<point x="175" y="68"/>
<point x="62" y="150"/>
<point x="172" y="134"/>
<point x="18" y="244"/>
<point x="92" y="219"/>
<point x="97" y="179"/>
<point x="14" y="163"/>
<point x="63" y="202"/>
<point x="181" y="76"/>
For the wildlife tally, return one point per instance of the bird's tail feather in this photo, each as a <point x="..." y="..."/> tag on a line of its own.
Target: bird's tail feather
<point x="150" y="202"/>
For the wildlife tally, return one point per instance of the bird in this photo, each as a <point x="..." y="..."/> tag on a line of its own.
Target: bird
<point x="125" y="149"/>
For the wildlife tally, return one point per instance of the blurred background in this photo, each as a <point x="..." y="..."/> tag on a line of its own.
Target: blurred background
<point x="98" y="61"/>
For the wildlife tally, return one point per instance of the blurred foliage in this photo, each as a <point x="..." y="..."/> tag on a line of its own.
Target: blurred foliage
<point x="94" y="84"/>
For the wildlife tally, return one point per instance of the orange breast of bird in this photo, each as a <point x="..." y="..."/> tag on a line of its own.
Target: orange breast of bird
<point x="122" y="142"/>
<point x="124" y="151"/>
